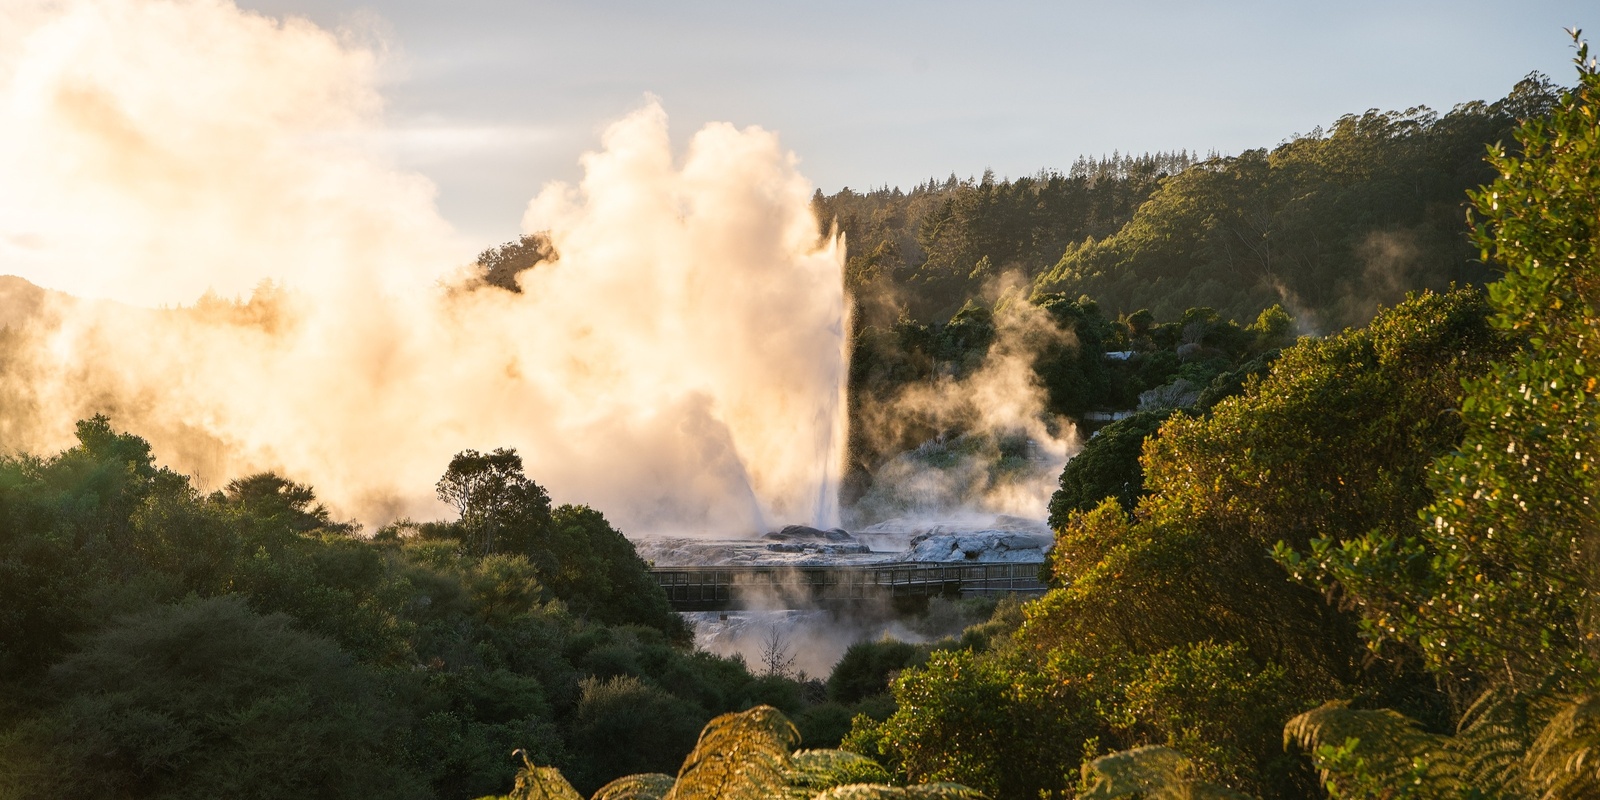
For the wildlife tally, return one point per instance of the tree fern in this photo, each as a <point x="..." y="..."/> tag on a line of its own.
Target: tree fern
<point x="743" y="755"/>
<point x="644" y="786"/>
<point x="1564" y="760"/>
<point x="1494" y="736"/>
<point x="1357" y="750"/>
<point x="816" y="770"/>
<point x="539" y="783"/>
<point x="878" y="791"/>
<point x="1510" y="746"/>
<point x="1151" y="773"/>
<point x="740" y="756"/>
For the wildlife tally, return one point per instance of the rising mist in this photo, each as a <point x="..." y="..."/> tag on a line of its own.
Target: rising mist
<point x="270" y="297"/>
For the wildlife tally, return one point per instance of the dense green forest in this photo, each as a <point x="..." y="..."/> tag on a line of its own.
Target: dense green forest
<point x="1372" y="573"/>
<point x="1328" y="224"/>
<point x="160" y="642"/>
<point x="1196" y="268"/>
<point x="1360" y="565"/>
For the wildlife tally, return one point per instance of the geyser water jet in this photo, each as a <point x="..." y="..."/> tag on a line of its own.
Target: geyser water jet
<point x="680" y="367"/>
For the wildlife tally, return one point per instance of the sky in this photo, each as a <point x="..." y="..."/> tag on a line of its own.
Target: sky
<point x="492" y="99"/>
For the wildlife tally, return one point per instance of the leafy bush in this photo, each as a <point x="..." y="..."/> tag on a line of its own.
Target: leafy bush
<point x="209" y="699"/>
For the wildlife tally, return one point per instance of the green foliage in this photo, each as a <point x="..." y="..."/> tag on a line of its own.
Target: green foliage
<point x="52" y="511"/>
<point x="1273" y="329"/>
<point x="595" y="570"/>
<point x="866" y="667"/>
<point x="1107" y="466"/>
<point x="1509" y="745"/>
<point x="1084" y="540"/>
<point x="495" y="500"/>
<point x="1190" y="698"/>
<point x="824" y="769"/>
<point x="1370" y="751"/>
<point x="1335" y="441"/>
<point x="573" y="552"/>
<point x="937" y="245"/>
<point x="607" y="726"/>
<point x="926" y="791"/>
<point x="1153" y="772"/>
<point x="427" y="660"/>
<point x="1173" y="626"/>
<point x="277" y="500"/>
<point x="745" y="755"/>
<point x="534" y="782"/>
<point x="827" y="723"/>
<point x="1493" y="581"/>
<point x="1072" y="369"/>
<point x="645" y="786"/>
<point x="502" y="586"/>
<point x="1335" y="222"/>
<point x="1233" y="382"/>
<point x="208" y="699"/>
<point x="990" y="723"/>
<point x="1497" y="579"/>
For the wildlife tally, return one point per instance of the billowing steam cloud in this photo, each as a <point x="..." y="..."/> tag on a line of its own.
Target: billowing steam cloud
<point x="997" y="451"/>
<point x="680" y="366"/>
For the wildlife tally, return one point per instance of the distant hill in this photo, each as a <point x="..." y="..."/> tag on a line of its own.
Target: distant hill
<point x="1329" y="224"/>
<point x="19" y="300"/>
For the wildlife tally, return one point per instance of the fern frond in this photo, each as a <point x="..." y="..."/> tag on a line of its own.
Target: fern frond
<point x="1391" y="749"/>
<point x="1140" y="771"/>
<point x="1336" y="722"/>
<point x="541" y="783"/>
<point x="1492" y="742"/>
<point x="738" y="757"/>
<point x="1564" y="760"/>
<point x="644" y="786"/>
<point x="816" y="770"/>
<point x="745" y="756"/>
<point x="861" y="791"/>
<point x="942" y="791"/>
<point x="1153" y="772"/>
<point x="1196" y="790"/>
<point x="878" y="791"/>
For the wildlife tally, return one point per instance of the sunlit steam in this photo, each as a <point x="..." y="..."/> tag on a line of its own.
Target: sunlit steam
<point x="999" y="450"/>
<point x="680" y="366"/>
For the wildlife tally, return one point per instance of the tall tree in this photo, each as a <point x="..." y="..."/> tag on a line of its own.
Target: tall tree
<point x="491" y="494"/>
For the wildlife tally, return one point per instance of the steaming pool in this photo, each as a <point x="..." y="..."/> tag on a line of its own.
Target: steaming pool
<point x="814" y="638"/>
<point x="969" y="539"/>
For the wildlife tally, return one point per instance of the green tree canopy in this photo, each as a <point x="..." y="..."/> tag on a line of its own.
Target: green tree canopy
<point x="496" y="502"/>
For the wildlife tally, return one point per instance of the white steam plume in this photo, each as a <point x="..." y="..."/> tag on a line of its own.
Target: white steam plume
<point x="680" y="367"/>
<point x="965" y="471"/>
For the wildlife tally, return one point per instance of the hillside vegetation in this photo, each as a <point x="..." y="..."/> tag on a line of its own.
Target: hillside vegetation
<point x="1371" y="574"/>
<point x="1356" y="565"/>
<point x="1328" y="224"/>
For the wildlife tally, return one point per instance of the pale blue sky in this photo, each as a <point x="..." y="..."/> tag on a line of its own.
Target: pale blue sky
<point x="492" y="98"/>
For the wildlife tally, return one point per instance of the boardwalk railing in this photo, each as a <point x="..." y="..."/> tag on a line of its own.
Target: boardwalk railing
<point x="713" y="588"/>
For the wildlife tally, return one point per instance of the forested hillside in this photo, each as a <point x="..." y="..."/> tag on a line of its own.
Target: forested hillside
<point x="1328" y="224"/>
<point x="936" y="247"/>
<point x="1194" y="271"/>
<point x="1371" y="574"/>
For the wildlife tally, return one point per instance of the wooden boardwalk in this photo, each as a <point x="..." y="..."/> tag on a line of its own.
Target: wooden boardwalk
<point x="716" y="588"/>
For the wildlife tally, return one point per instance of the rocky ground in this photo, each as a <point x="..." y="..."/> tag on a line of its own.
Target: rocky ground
<point x="973" y="539"/>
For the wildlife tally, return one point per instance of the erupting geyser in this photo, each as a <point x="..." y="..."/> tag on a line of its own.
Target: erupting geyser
<point x="680" y="367"/>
